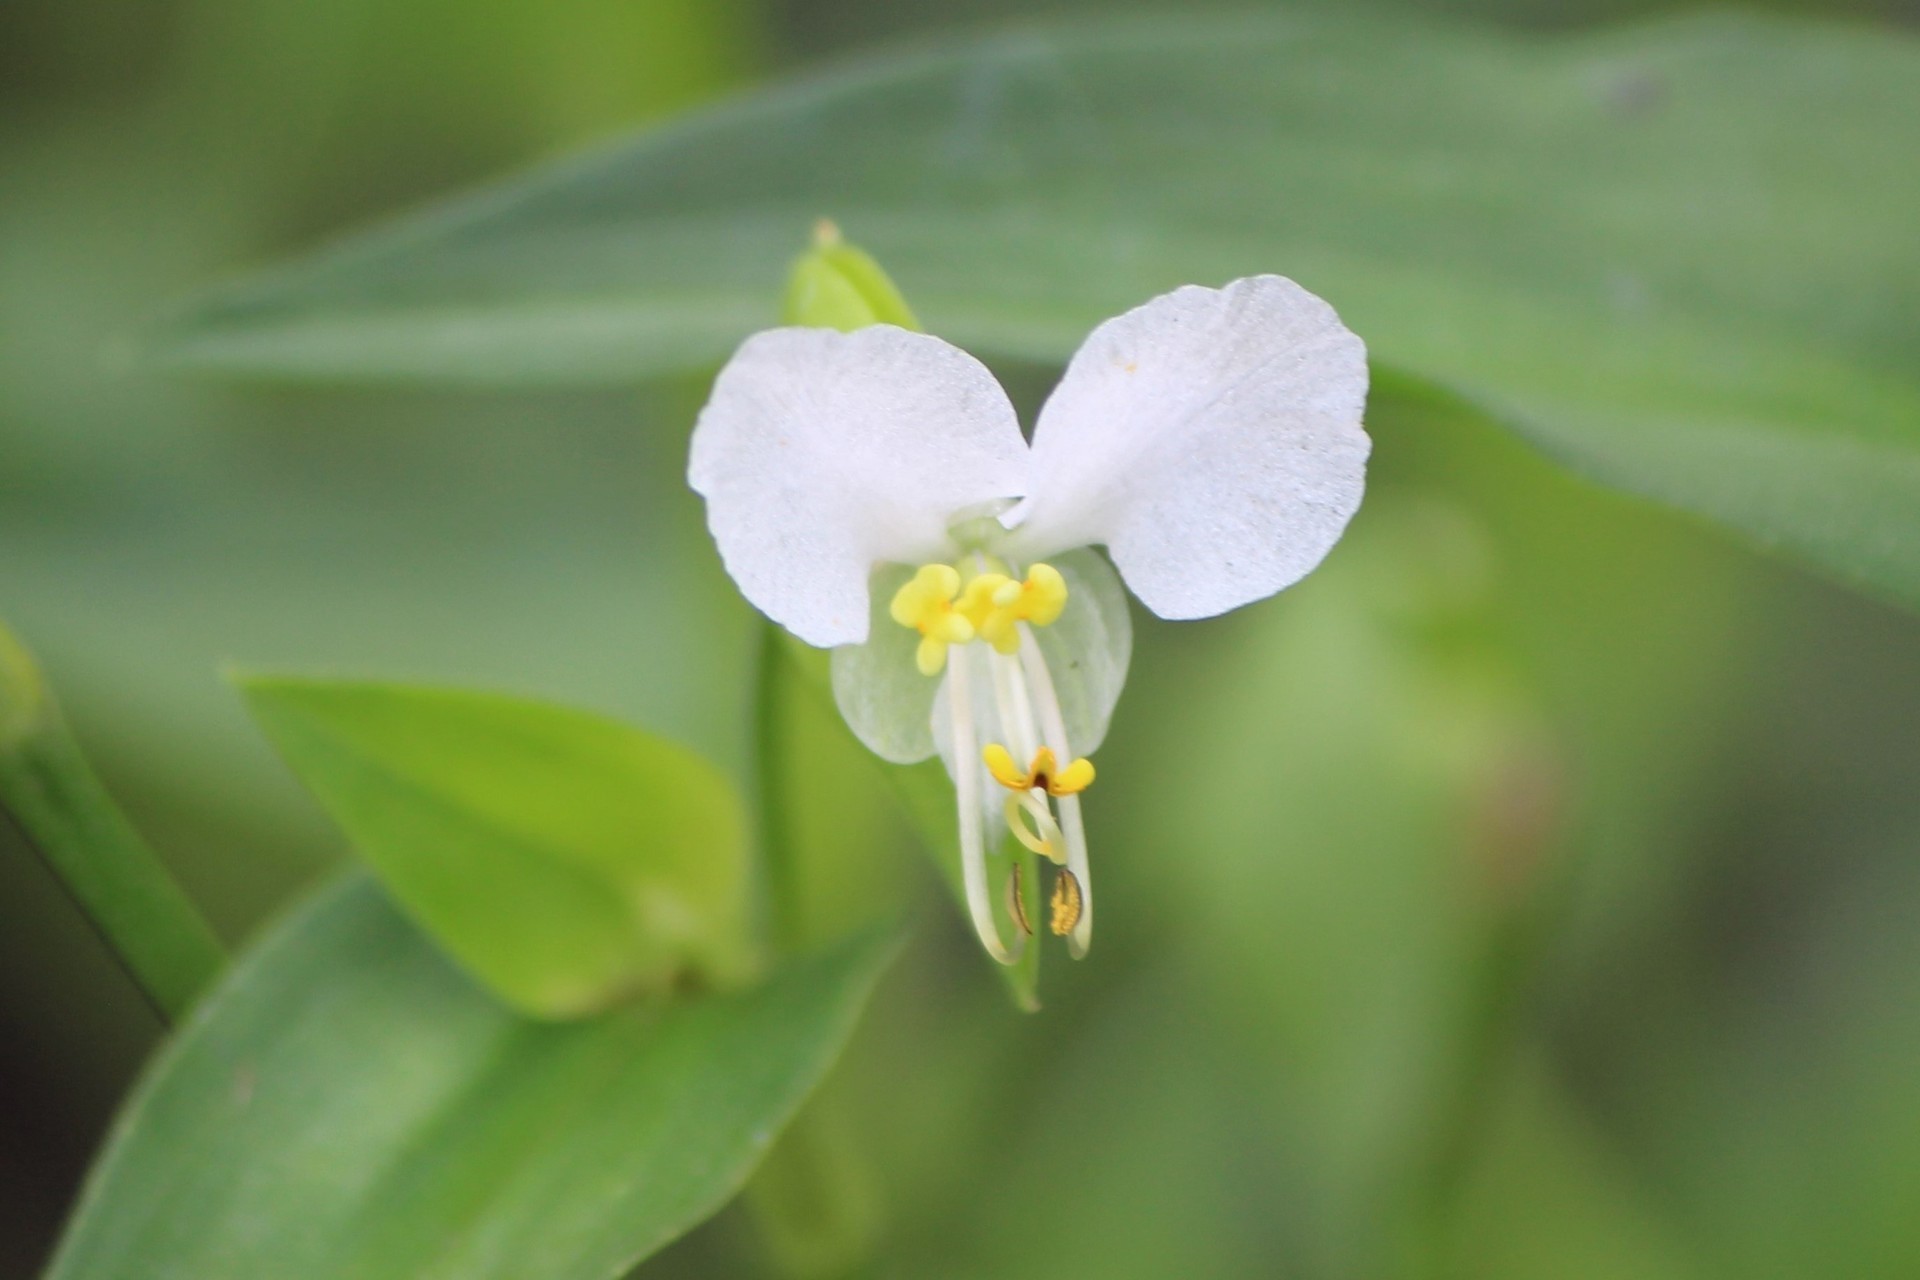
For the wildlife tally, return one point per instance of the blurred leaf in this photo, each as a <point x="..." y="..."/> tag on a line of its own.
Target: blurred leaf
<point x="127" y="893"/>
<point x="1756" y="1067"/>
<point x="1549" y="1198"/>
<point x="1121" y="1149"/>
<point x="564" y="858"/>
<point x="1680" y="257"/>
<point x="348" y="1105"/>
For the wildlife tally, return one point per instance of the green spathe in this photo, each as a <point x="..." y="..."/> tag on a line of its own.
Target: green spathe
<point x="834" y="285"/>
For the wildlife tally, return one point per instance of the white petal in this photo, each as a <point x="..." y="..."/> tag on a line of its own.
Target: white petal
<point x="1210" y="438"/>
<point x="823" y="453"/>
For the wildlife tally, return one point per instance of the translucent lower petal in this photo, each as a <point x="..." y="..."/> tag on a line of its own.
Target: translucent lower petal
<point x="1088" y="647"/>
<point x="878" y="686"/>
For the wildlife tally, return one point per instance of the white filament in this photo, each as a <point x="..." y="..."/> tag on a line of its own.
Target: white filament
<point x="966" y="783"/>
<point x="1040" y="681"/>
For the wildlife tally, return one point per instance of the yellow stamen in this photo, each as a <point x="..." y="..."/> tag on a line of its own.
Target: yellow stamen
<point x="926" y="603"/>
<point x="996" y="604"/>
<point x="1041" y="773"/>
<point x="1065" y="903"/>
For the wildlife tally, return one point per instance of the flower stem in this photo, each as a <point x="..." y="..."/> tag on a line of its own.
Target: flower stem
<point x="811" y="1200"/>
<point x="73" y="825"/>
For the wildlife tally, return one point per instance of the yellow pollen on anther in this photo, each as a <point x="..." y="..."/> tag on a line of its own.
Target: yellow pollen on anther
<point x="1066" y="903"/>
<point x="996" y="604"/>
<point x="1072" y="780"/>
<point x="926" y="603"/>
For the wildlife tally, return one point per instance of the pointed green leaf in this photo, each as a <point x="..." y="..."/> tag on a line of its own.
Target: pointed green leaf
<point x="1681" y="256"/>
<point x="348" y="1104"/>
<point x="565" y="859"/>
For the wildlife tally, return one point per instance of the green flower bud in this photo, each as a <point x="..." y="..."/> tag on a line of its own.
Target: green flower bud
<point x="836" y="286"/>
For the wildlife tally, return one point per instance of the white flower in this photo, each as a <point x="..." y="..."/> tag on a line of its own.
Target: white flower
<point x="871" y="492"/>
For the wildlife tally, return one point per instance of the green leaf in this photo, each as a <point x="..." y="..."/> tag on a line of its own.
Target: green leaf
<point x="347" y="1104"/>
<point x="565" y="859"/>
<point x="48" y="788"/>
<point x="1680" y="257"/>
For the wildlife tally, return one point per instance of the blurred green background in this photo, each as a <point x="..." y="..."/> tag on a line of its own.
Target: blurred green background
<point x="1527" y="894"/>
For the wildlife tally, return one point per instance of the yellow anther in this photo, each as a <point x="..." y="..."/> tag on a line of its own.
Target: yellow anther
<point x="1000" y="764"/>
<point x="996" y="604"/>
<point x="926" y="603"/>
<point x="1066" y="903"/>
<point x="1073" y="779"/>
<point x="1041" y="773"/>
<point x="1043" y="595"/>
<point x="981" y="597"/>
<point x="929" y="592"/>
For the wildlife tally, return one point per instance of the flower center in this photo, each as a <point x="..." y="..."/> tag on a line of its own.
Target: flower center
<point x="992" y="605"/>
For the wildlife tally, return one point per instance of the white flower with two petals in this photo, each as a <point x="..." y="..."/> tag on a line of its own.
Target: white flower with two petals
<point x="872" y="492"/>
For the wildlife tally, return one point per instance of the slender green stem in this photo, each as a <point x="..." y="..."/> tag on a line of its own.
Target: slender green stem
<point x="1514" y="940"/>
<point x="811" y="1197"/>
<point x="60" y="805"/>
